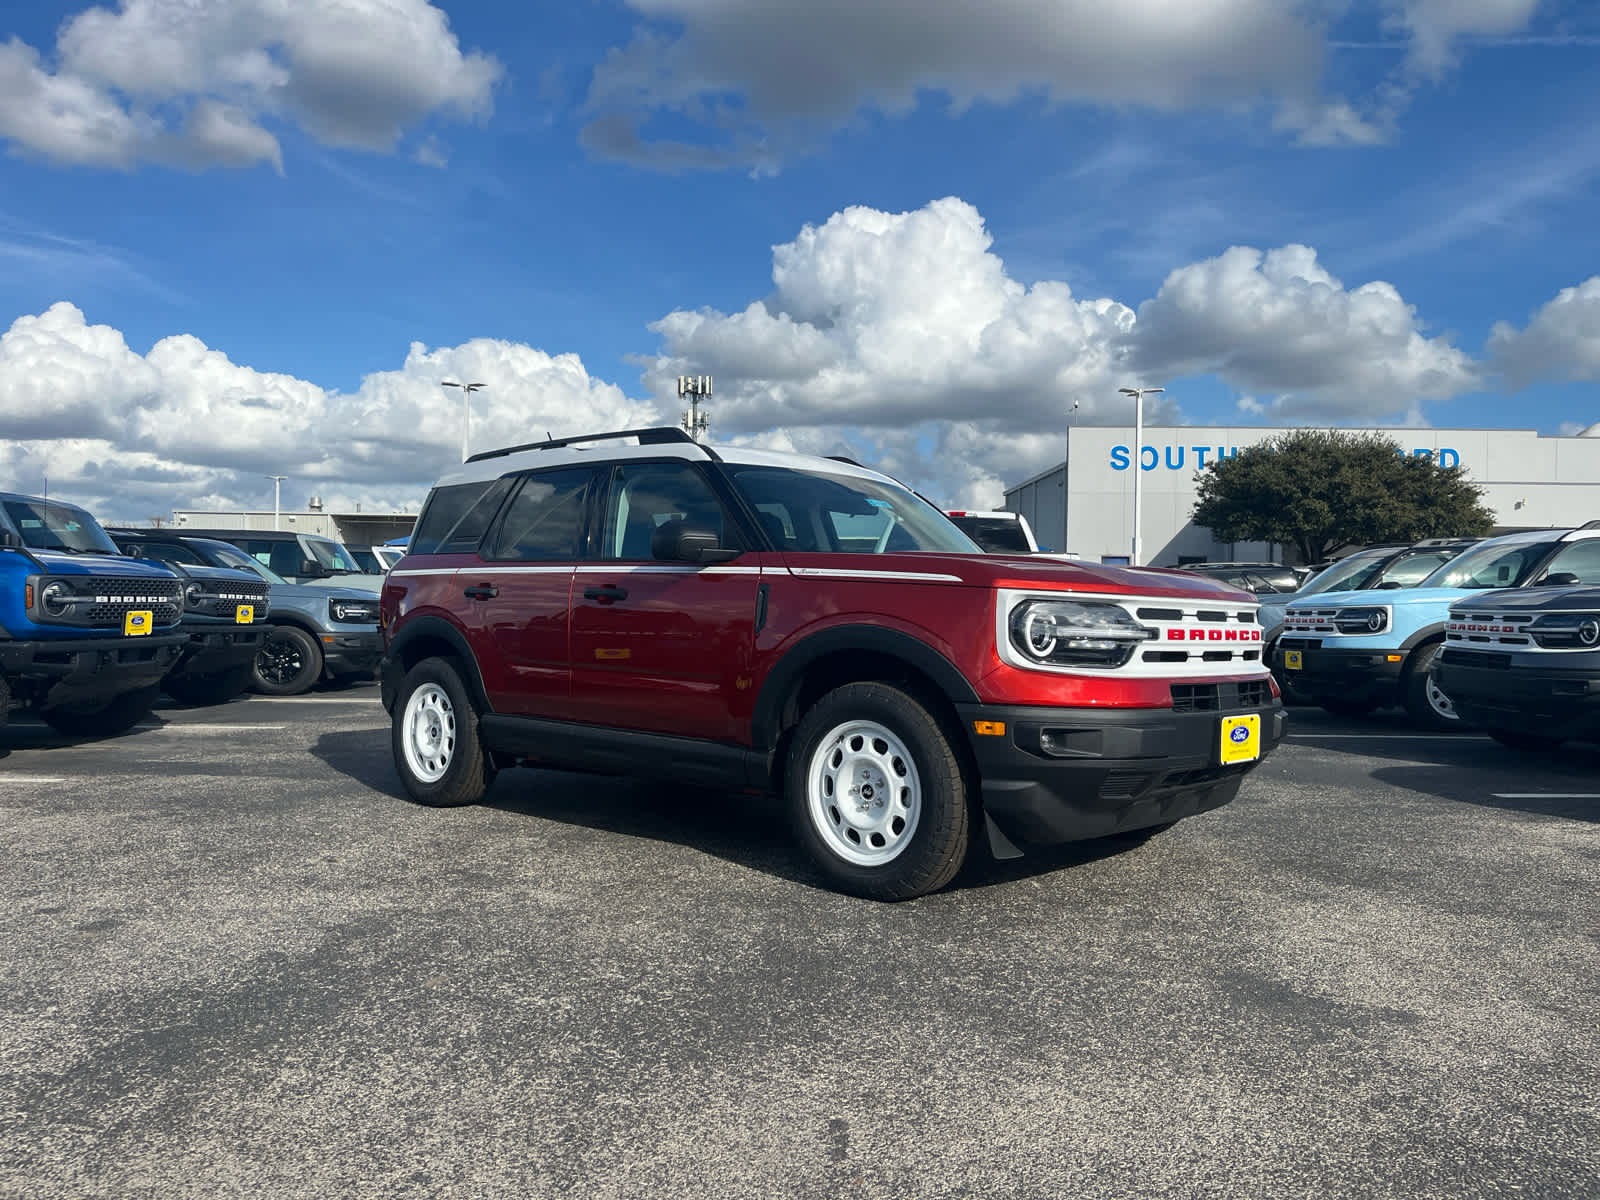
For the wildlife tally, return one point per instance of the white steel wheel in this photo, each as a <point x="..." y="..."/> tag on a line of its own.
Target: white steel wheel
<point x="876" y="792"/>
<point x="1425" y="701"/>
<point x="434" y="735"/>
<point x="1443" y="707"/>
<point x="863" y="793"/>
<point x="428" y="733"/>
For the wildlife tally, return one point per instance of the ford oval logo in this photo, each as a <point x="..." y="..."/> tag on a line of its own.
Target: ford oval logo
<point x="1240" y="734"/>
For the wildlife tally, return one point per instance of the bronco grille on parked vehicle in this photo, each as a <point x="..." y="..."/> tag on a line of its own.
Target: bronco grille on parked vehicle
<point x="104" y="601"/>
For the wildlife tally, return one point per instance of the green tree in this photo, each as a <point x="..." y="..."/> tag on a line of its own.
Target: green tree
<point x="1320" y="489"/>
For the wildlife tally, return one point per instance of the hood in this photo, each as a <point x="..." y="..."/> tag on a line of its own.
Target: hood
<point x="59" y="563"/>
<point x="1372" y="598"/>
<point x="309" y="592"/>
<point x="1579" y="598"/>
<point x="1024" y="571"/>
<point x="221" y="576"/>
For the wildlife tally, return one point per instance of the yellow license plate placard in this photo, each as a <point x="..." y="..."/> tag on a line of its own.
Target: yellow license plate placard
<point x="137" y="622"/>
<point x="1294" y="660"/>
<point x="1241" y="738"/>
<point x="244" y="614"/>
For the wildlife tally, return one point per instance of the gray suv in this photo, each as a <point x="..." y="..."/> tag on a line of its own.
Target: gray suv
<point x="314" y="632"/>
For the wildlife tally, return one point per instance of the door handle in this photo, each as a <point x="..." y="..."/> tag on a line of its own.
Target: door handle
<point x="606" y="594"/>
<point x="481" y="591"/>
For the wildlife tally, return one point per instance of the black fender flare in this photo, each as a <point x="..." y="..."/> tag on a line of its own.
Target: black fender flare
<point x="1428" y="633"/>
<point x="766" y="719"/>
<point x="437" y="628"/>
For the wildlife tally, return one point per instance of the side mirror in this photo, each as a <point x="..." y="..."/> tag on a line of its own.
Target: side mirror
<point x="9" y="539"/>
<point x="678" y="542"/>
<point x="1560" y="579"/>
<point x="312" y="569"/>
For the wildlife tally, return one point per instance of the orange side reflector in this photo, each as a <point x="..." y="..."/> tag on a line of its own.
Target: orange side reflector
<point x="989" y="728"/>
<point x="1394" y="658"/>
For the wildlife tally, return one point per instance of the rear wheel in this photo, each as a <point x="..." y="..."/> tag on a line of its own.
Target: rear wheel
<point x="434" y="735"/>
<point x="1517" y="740"/>
<point x="121" y="713"/>
<point x="288" y="663"/>
<point x="876" y="794"/>
<point x="201" y="690"/>
<point x="1426" y="704"/>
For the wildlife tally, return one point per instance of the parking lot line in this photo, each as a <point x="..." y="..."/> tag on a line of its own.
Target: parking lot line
<point x="1546" y="795"/>
<point x="178" y="727"/>
<point x="1389" y="737"/>
<point x="9" y="778"/>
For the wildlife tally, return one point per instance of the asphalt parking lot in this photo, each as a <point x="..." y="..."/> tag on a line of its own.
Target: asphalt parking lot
<point x="237" y="962"/>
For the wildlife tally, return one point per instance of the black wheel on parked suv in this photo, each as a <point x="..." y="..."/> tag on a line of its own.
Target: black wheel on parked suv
<point x="121" y="713"/>
<point x="434" y="735"/>
<point x="288" y="663"/>
<point x="201" y="690"/>
<point x="876" y="793"/>
<point x="1425" y="703"/>
<point x="1516" y="739"/>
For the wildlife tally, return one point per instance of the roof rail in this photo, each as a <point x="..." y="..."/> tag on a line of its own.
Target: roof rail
<point x="660" y="435"/>
<point x="1595" y="524"/>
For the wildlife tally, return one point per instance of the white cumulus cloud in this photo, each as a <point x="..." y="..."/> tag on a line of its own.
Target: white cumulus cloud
<point x="1561" y="343"/>
<point x="197" y="83"/>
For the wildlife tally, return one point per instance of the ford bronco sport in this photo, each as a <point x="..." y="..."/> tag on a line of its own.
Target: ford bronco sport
<point x="85" y="633"/>
<point x="639" y="603"/>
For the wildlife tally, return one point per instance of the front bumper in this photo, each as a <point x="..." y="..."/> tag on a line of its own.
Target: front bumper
<point x="1111" y="770"/>
<point x="211" y="651"/>
<point x="351" y="653"/>
<point x="1324" y="672"/>
<point x="1549" y="701"/>
<point x="67" y="670"/>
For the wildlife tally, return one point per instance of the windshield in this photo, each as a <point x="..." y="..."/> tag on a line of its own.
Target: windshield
<point x="994" y="534"/>
<point x="807" y="510"/>
<point x="332" y="555"/>
<point x="1347" y="575"/>
<point x="45" y="525"/>
<point x="1491" y="565"/>
<point x="1577" y="562"/>
<point x="224" y="555"/>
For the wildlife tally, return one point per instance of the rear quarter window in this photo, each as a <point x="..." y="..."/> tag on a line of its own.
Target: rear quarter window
<point x="454" y="519"/>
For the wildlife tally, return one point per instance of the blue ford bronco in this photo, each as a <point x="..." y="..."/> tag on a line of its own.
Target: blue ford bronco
<point x="86" y="634"/>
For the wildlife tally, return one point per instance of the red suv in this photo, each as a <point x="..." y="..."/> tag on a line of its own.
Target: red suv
<point x="638" y="603"/>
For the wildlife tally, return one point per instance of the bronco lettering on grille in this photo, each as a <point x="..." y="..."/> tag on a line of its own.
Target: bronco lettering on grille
<point x="1213" y="635"/>
<point x="1478" y="627"/>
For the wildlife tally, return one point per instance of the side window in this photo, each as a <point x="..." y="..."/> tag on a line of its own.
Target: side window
<point x="544" y="520"/>
<point x="645" y="496"/>
<point x="261" y="552"/>
<point x="455" y="518"/>
<point x="1579" y="560"/>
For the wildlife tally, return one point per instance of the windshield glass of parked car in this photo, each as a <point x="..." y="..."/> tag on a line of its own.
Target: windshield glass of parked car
<point x="224" y="555"/>
<point x="1347" y="575"/>
<point x="995" y="534"/>
<point x="333" y="556"/>
<point x="49" y="526"/>
<point x="813" y="511"/>
<point x="1491" y="565"/>
<point x="1577" y="562"/>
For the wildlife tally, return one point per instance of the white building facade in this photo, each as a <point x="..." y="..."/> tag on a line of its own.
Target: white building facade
<point x="1085" y="505"/>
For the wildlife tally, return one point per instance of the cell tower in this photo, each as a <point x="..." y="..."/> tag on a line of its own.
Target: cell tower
<point x="695" y="387"/>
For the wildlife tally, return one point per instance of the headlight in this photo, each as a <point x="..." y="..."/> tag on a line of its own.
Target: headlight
<point x="56" y="598"/>
<point x="1362" y="620"/>
<point x="193" y="596"/>
<point x="1075" y="633"/>
<point x="363" y="612"/>
<point x="1567" y="631"/>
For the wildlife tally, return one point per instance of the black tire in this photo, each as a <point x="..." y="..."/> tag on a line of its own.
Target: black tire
<point x="119" y="714"/>
<point x="434" y="736"/>
<point x="897" y="844"/>
<point x="199" y="691"/>
<point x="1516" y="739"/>
<point x="1346" y="708"/>
<point x="288" y="663"/>
<point x="1428" y="707"/>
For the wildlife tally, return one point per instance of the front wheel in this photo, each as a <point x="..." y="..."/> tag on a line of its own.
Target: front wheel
<point x="1428" y="706"/>
<point x="119" y="714"/>
<point x="288" y="663"/>
<point x="434" y="735"/>
<point x="876" y="794"/>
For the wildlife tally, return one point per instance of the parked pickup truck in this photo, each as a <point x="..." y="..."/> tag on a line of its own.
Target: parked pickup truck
<point x="1524" y="665"/>
<point x="86" y="634"/>
<point x="1354" y="651"/>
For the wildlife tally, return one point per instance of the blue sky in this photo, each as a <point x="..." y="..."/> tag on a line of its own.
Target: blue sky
<point x="246" y="237"/>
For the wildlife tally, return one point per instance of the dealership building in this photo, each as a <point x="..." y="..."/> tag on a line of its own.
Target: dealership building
<point x="1085" y="505"/>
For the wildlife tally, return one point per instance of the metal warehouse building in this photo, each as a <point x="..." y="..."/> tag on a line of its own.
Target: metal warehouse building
<point x="1086" y="504"/>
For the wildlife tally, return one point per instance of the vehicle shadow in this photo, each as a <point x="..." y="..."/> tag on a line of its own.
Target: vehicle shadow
<point x="750" y="831"/>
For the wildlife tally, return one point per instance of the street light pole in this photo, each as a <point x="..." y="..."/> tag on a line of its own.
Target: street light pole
<point x="277" y="493"/>
<point x="466" y="412"/>
<point x="1138" y="395"/>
